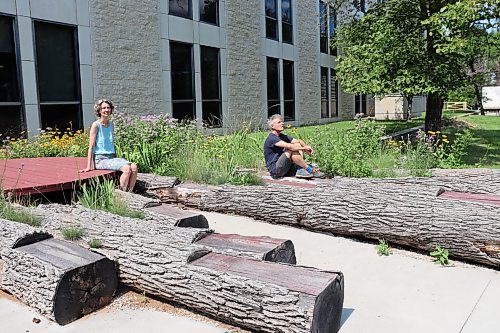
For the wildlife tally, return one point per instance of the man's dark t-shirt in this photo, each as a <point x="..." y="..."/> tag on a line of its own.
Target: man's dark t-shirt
<point x="272" y="152"/>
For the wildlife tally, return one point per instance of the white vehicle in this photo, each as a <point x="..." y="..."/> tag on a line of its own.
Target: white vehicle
<point x="491" y="98"/>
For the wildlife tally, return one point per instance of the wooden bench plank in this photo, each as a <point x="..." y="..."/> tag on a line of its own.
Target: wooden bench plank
<point x="264" y="247"/>
<point x="321" y="292"/>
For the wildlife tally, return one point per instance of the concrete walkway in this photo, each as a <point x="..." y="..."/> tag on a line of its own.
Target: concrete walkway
<point x="404" y="292"/>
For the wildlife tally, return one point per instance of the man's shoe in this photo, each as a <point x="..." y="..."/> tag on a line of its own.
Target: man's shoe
<point x="302" y="173"/>
<point x="318" y="174"/>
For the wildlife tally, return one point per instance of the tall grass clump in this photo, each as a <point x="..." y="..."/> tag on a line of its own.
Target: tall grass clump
<point x="165" y="146"/>
<point x="348" y="152"/>
<point x="100" y="194"/>
<point x="18" y="214"/>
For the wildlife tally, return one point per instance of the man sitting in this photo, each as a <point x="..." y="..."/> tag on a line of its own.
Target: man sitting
<point x="281" y="152"/>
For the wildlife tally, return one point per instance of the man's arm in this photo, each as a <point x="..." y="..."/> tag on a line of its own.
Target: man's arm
<point x="295" y="145"/>
<point x="305" y="147"/>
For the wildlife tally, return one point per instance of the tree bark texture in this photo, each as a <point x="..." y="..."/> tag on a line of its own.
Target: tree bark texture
<point x="404" y="211"/>
<point x="61" y="280"/>
<point x="149" y="181"/>
<point x="434" y="109"/>
<point x="159" y="259"/>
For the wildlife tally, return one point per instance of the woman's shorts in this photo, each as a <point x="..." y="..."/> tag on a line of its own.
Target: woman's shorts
<point x="109" y="162"/>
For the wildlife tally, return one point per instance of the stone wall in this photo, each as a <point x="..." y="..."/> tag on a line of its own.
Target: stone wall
<point x="308" y="82"/>
<point x="245" y="70"/>
<point x="126" y="54"/>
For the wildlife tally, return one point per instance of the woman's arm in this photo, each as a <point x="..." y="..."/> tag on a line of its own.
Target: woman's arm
<point x="90" y="153"/>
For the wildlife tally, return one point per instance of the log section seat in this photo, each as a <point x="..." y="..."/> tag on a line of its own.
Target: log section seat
<point x="321" y="293"/>
<point x="62" y="280"/>
<point x="260" y="247"/>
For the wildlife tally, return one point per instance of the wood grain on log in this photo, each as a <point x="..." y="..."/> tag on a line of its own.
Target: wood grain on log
<point x="148" y="181"/>
<point x="61" y="280"/>
<point x="323" y="289"/>
<point x="153" y="257"/>
<point x="404" y="211"/>
<point x="262" y="247"/>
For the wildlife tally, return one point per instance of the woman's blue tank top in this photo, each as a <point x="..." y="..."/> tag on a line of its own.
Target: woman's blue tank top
<point x="105" y="142"/>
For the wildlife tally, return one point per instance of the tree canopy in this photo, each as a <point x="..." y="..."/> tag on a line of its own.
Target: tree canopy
<point x="415" y="47"/>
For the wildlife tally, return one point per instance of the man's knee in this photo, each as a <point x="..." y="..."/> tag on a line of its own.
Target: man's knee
<point x="134" y="168"/>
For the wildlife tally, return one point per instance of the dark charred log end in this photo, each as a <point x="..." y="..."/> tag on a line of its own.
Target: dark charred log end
<point x="328" y="307"/>
<point x="202" y="235"/>
<point x="84" y="289"/>
<point x="440" y="191"/>
<point x="197" y="255"/>
<point x="285" y="253"/>
<point x="31" y="239"/>
<point x="194" y="221"/>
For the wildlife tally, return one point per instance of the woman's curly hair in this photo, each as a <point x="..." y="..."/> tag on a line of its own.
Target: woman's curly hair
<point x="98" y="104"/>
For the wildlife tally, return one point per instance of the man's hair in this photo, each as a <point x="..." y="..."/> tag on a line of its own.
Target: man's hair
<point x="271" y="120"/>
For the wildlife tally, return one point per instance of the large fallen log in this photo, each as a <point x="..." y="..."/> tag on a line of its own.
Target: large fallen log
<point x="61" y="280"/>
<point x="161" y="261"/>
<point x="404" y="211"/>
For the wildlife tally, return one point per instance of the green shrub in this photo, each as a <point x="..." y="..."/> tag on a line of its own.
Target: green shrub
<point x="100" y="194"/>
<point x="383" y="248"/>
<point x="440" y="255"/>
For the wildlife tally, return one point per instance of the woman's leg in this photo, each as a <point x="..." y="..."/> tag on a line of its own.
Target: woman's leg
<point x="133" y="177"/>
<point x="125" y="177"/>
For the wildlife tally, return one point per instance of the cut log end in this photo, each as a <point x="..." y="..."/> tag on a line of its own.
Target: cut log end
<point x="84" y="290"/>
<point x="327" y="316"/>
<point x="30" y="239"/>
<point x="285" y="252"/>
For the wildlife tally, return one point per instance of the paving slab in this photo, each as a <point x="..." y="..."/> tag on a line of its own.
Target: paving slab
<point x="18" y="318"/>
<point x="402" y="292"/>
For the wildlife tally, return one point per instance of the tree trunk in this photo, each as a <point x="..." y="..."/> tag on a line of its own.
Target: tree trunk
<point x="165" y="261"/>
<point x="477" y="88"/>
<point x="61" y="280"/>
<point x="409" y="114"/>
<point x="434" y="109"/>
<point x="404" y="211"/>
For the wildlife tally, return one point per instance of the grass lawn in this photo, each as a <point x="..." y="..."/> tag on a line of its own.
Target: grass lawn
<point x="485" y="148"/>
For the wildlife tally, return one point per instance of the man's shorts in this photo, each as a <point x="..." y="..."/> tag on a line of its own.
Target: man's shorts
<point x="283" y="167"/>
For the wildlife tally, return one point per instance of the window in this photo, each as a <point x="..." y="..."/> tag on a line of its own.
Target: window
<point x="271" y="19"/>
<point x="183" y="101"/>
<point x="11" y="113"/>
<point x="334" y="94"/>
<point x="323" y="27"/>
<point x="327" y="27"/>
<point x="58" y="75"/>
<point x="209" y="11"/>
<point x="288" y="90"/>
<point x="210" y="86"/>
<point x="181" y="8"/>
<point x="273" y="87"/>
<point x="286" y="21"/>
<point x="325" y="112"/>
<point x="329" y="93"/>
<point x="360" y="104"/>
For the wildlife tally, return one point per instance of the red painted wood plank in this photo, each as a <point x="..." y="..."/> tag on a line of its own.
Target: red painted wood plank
<point x="303" y="279"/>
<point x="247" y="243"/>
<point x="472" y="197"/>
<point x="48" y="174"/>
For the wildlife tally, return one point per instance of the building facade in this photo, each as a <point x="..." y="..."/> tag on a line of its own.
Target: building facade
<point x="219" y="61"/>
